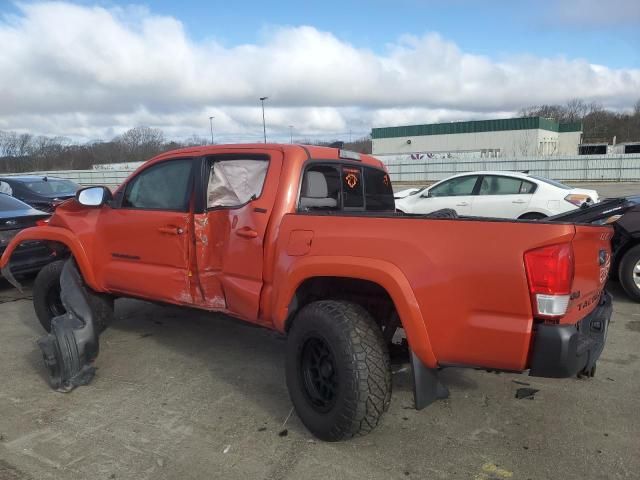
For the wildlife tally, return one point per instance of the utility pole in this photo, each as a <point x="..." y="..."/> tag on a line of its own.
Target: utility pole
<point x="211" y="125"/>
<point x="290" y="133"/>
<point x="264" y="125"/>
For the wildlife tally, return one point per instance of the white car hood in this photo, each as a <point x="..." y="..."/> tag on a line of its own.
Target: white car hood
<point x="405" y="193"/>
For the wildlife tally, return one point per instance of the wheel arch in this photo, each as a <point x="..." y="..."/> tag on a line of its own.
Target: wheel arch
<point x="619" y="255"/>
<point x="61" y="239"/>
<point x="533" y="212"/>
<point x="366" y="275"/>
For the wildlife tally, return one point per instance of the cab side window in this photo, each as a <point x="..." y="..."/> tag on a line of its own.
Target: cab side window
<point x="164" y="186"/>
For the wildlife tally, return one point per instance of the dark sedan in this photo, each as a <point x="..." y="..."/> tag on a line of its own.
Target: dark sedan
<point x="41" y="192"/>
<point x="15" y="216"/>
<point x="624" y="214"/>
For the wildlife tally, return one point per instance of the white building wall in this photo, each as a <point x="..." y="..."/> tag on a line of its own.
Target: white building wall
<point x="510" y="143"/>
<point x="568" y="143"/>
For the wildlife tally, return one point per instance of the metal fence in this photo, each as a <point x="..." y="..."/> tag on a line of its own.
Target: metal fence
<point x="583" y="168"/>
<point x="109" y="178"/>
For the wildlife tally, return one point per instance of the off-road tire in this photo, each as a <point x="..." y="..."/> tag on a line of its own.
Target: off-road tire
<point x="47" y="304"/>
<point x="361" y="364"/>
<point x="625" y="272"/>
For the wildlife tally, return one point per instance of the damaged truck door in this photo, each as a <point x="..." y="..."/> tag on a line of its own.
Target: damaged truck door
<point x="240" y="193"/>
<point x="144" y="236"/>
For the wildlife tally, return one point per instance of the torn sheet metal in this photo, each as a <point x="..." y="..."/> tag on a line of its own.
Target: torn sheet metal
<point x="6" y="273"/>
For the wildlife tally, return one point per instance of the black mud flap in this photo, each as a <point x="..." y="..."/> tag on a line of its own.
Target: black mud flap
<point x="72" y="346"/>
<point x="427" y="388"/>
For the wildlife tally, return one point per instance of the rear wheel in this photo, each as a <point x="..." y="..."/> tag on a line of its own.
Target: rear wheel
<point x="48" y="304"/>
<point x="629" y="273"/>
<point x="338" y="372"/>
<point x="532" y="216"/>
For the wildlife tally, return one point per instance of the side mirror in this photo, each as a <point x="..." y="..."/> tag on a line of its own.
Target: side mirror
<point x="93" y="196"/>
<point x="425" y="194"/>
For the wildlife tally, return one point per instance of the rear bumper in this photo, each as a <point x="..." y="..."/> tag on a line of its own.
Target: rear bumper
<point x="561" y="351"/>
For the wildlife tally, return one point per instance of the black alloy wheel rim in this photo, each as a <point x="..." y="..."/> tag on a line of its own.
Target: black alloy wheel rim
<point x="319" y="375"/>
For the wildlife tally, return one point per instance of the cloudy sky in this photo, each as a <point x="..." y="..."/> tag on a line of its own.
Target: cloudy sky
<point x="92" y="69"/>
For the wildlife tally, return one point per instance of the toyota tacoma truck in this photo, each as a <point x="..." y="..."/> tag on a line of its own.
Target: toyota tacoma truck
<point x="306" y="241"/>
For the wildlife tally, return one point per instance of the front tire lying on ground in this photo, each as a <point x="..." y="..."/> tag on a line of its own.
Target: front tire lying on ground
<point x="338" y="371"/>
<point x="47" y="302"/>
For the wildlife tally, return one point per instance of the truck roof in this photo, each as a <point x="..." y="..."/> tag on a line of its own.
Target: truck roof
<point x="312" y="152"/>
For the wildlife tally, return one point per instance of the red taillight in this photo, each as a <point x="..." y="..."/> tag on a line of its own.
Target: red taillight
<point x="550" y="274"/>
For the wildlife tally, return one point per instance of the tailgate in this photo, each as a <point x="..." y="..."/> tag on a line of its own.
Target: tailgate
<point x="592" y="254"/>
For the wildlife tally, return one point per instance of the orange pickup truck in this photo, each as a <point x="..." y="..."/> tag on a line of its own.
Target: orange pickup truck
<point x="306" y="241"/>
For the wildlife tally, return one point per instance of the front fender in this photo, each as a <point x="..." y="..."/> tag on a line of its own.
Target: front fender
<point x="55" y="234"/>
<point x="385" y="274"/>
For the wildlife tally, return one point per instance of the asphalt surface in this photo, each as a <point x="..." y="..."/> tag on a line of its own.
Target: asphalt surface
<point x="183" y="394"/>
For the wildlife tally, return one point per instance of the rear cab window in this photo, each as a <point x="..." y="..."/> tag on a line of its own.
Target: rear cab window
<point x="336" y="187"/>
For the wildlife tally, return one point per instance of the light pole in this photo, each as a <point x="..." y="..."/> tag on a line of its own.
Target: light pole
<point x="264" y="125"/>
<point x="211" y="125"/>
<point x="290" y="133"/>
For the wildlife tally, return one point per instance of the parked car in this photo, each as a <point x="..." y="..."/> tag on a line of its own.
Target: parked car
<point x="406" y="192"/>
<point x="41" y="192"/>
<point x="498" y="195"/>
<point x="624" y="215"/>
<point x="305" y="240"/>
<point x="15" y="216"/>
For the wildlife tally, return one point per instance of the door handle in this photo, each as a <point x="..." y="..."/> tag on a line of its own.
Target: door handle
<point x="462" y="204"/>
<point x="171" y="230"/>
<point x="518" y="201"/>
<point x="246" y="232"/>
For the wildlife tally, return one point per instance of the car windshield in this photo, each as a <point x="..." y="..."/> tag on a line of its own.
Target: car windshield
<point x="52" y="187"/>
<point x="551" y="182"/>
<point x="8" y="204"/>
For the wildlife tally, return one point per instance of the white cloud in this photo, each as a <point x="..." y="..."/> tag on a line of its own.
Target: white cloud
<point x="90" y="72"/>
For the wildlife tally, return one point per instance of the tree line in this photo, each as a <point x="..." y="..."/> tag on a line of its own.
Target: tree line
<point x="23" y="152"/>
<point x="599" y="124"/>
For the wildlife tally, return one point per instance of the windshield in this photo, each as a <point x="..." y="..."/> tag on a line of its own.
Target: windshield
<point x="551" y="182"/>
<point x="8" y="204"/>
<point x="52" y="187"/>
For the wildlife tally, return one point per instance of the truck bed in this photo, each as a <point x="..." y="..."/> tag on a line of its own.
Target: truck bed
<point x="467" y="274"/>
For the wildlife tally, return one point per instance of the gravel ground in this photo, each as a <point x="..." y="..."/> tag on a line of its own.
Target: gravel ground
<point x="190" y="395"/>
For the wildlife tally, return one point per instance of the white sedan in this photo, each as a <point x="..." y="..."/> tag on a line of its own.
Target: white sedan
<point x="498" y="195"/>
